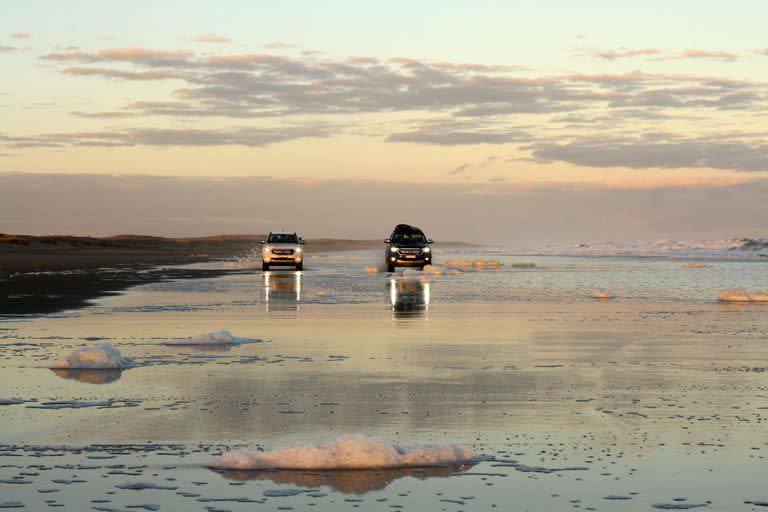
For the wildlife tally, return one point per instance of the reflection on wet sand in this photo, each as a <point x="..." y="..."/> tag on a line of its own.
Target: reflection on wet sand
<point x="90" y="376"/>
<point x="409" y="297"/>
<point x="348" y="481"/>
<point x="213" y="347"/>
<point x="283" y="290"/>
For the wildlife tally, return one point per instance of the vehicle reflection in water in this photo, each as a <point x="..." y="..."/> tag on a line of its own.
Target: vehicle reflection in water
<point x="347" y="481"/>
<point x="90" y="376"/>
<point x="282" y="290"/>
<point x="409" y="297"/>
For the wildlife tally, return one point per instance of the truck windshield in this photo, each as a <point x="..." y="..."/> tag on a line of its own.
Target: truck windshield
<point x="283" y="238"/>
<point x="413" y="237"/>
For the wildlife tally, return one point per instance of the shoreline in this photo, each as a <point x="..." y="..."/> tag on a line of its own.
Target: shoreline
<point x="24" y="253"/>
<point x="49" y="274"/>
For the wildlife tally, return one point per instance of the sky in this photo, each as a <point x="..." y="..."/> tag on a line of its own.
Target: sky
<point x="500" y="122"/>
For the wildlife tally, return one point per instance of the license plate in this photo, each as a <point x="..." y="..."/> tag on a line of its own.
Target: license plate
<point x="410" y="256"/>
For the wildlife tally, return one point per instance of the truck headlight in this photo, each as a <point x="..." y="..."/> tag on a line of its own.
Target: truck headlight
<point x="393" y="249"/>
<point x="298" y="250"/>
<point x="427" y="249"/>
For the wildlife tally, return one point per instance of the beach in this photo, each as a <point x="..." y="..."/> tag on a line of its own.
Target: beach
<point x="650" y="397"/>
<point x="45" y="274"/>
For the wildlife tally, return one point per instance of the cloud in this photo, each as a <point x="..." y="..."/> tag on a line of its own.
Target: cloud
<point x="623" y="54"/>
<point x="21" y="35"/>
<point x="450" y="137"/>
<point x="461" y="169"/>
<point x="211" y="38"/>
<point x="466" y="167"/>
<point x="139" y="56"/>
<point x="657" y="54"/>
<point x="275" y="45"/>
<point x="5" y="48"/>
<point x="657" y="150"/>
<point x="156" y="74"/>
<point x="266" y="84"/>
<point x="251" y="137"/>
<point x="704" y="54"/>
<point x="448" y="103"/>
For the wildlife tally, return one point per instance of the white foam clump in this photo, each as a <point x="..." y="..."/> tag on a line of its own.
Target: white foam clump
<point x="473" y="264"/>
<point x="741" y="296"/>
<point x="220" y="337"/>
<point x="103" y="356"/>
<point x="349" y="451"/>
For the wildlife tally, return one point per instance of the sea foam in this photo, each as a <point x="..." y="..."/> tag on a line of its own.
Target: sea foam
<point x="103" y="356"/>
<point x="349" y="451"/>
<point x="741" y="296"/>
<point x="220" y="337"/>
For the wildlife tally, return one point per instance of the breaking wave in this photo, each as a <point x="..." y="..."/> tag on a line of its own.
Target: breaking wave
<point x="727" y="248"/>
<point x="350" y="451"/>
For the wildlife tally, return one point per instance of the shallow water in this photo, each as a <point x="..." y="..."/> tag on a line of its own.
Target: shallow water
<point x="656" y="397"/>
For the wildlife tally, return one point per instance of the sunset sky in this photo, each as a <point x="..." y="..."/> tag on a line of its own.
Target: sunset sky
<point x="566" y="120"/>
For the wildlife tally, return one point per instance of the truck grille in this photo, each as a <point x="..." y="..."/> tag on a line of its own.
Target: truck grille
<point x="282" y="251"/>
<point x="409" y="251"/>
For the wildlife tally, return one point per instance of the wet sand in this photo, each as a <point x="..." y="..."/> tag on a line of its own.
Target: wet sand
<point x="24" y="253"/>
<point x="578" y="404"/>
<point x="46" y="274"/>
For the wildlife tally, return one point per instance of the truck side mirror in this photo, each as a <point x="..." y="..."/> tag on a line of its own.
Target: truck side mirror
<point x="386" y="241"/>
<point x="302" y="242"/>
<point x="430" y="241"/>
<point x="262" y="242"/>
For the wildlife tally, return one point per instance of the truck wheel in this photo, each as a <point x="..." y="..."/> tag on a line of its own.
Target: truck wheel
<point x="264" y="266"/>
<point x="390" y="267"/>
<point x="300" y="266"/>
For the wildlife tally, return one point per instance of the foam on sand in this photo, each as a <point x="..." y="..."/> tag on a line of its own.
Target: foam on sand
<point x="736" y="295"/>
<point x="102" y="356"/>
<point x="220" y="337"/>
<point x="349" y="451"/>
<point x="696" y="265"/>
<point x="474" y="264"/>
<point x="601" y="295"/>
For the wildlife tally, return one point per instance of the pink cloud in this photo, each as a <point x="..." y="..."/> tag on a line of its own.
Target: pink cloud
<point x="274" y="45"/>
<point x="120" y="54"/>
<point x="20" y="35"/>
<point x="659" y="55"/>
<point x="252" y="58"/>
<point x="212" y="38"/>
<point x="622" y="54"/>
<point x="704" y="54"/>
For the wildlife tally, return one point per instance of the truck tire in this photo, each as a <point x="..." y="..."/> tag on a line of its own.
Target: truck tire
<point x="390" y="267"/>
<point x="264" y="266"/>
<point x="300" y="266"/>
